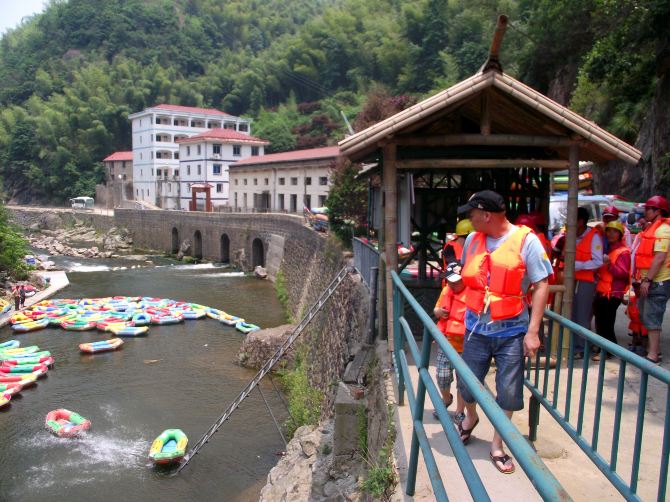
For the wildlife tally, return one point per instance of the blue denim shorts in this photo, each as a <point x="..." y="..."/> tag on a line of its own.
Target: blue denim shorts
<point x="652" y="307"/>
<point x="478" y="351"/>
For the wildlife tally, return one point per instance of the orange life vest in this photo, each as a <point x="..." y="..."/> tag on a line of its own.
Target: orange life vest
<point x="605" y="278"/>
<point x="583" y="253"/>
<point x="453" y="326"/>
<point x="635" y="326"/>
<point x="495" y="278"/>
<point x="644" y="254"/>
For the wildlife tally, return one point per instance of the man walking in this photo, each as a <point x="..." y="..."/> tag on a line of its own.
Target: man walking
<point x="500" y="263"/>
<point x="652" y="271"/>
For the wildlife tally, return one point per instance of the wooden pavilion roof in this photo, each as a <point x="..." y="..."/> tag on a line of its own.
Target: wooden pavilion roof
<point x="488" y="116"/>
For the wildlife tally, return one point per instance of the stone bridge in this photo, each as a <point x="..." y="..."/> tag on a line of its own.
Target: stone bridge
<point x="246" y="240"/>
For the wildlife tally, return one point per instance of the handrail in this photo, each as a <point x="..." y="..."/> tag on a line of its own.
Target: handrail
<point x="540" y="390"/>
<point x="365" y="257"/>
<point x="543" y="480"/>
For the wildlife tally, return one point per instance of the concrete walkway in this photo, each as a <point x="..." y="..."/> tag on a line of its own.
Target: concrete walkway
<point x="57" y="281"/>
<point x="573" y="469"/>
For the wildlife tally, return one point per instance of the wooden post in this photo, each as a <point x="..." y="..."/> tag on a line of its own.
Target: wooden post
<point x="571" y="232"/>
<point x="390" y="183"/>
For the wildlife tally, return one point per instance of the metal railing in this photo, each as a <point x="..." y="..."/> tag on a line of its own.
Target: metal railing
<point x="365" y="257"/>
<point x="543" y="480"/>
<point x="559" y="402"/>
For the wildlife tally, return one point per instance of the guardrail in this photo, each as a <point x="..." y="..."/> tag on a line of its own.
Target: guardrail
<point x="543" y="480"/>
<point x="365" y="257"/>
<point x="562" y="412"/>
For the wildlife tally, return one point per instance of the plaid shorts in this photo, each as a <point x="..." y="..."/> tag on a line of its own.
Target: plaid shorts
<point x="445" y="372"/>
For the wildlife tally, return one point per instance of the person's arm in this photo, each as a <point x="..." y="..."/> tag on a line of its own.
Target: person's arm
<point x="531" y="342"/>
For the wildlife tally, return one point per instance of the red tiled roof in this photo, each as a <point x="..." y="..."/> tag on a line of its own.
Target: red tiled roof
<point x="190" y="109"/>
<point x="311" y="154"/>
<point x="223" y="134"/>
<point x="119" y="156"/>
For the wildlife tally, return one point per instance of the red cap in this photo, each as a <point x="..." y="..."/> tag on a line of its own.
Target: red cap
<point x="659" y="202"/>
<point x="610" y="211"/>
<point x="525" y="219"/>
<point x="539" y="218"/>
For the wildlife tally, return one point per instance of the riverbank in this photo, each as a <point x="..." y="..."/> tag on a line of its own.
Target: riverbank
<point x="56" y="281"/>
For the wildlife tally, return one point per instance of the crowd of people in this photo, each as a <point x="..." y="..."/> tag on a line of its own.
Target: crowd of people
<point x="496" y="287"/>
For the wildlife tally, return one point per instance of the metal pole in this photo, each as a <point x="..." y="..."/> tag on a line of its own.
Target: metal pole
<point x="372" y="315"/>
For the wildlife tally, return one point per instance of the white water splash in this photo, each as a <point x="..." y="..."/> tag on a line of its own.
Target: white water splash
<point x="78" y="267"/>
<point x="225" y="274"/>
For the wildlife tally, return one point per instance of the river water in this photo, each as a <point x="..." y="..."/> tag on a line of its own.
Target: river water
<point x="179" y="376"/>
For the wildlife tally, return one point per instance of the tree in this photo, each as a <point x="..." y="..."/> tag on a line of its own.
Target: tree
<point x="12" y="247"/>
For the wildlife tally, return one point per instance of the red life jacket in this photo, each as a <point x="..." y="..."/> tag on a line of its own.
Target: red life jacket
<point x="583" y="253"/>
<point x="494" y="279"/>
<point x="453" y="326"/>
<point x="635" y="326"/>
<point x="644" y="254"/>
<point x="605" y="278"/>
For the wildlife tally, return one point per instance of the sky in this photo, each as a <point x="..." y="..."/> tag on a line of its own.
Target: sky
<point x="14" y="10"/>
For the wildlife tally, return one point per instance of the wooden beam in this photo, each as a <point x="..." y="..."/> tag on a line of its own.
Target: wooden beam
<point x="571" y="234"/>
<point x="485" y="119"/>
<point x="483" y="139"/>
<point x="479" y="163"/>
<point x="390" y="183"/>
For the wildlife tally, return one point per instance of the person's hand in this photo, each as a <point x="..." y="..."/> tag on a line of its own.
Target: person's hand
<point x="644" y="288"/>
<point x="439" y="313"/>
<point x="531" y="342"/>
<point x="606" y="259"/>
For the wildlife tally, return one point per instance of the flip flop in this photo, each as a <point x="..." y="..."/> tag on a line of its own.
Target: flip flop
<point x="503" y="459"/>
<point x="446" y="405"/>
<point x="466" y="433"/>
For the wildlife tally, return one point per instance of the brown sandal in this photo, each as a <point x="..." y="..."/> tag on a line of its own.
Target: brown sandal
<point x="503" y="459"/>
<point x="466" y="433"/>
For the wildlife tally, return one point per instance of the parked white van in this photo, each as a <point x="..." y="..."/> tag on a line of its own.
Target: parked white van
<point x="82" y="203"/>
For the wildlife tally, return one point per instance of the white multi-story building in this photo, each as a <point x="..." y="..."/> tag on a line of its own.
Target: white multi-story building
<point x="287" y="181"/>
<point x="204" y="160"/>
<point x="156" y="131"/>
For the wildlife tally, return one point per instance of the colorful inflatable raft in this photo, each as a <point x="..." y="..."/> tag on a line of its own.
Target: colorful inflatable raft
<point x="65" y="423"/>
<point x="129" y="330"/>
<point x="4" y="399"/>
<point x="246" y="327"/>
<point x="169" y="447"/>
<point x="101" y="346"/>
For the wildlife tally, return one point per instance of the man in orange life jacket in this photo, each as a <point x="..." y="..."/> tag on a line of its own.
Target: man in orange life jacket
<point x="613" y="282"/>
<point x="500" y="262"/>
<point x="652" y="270"/>
<point x="588" y="259"/>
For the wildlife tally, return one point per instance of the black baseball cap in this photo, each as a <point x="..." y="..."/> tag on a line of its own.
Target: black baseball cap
<point x="486" y="200"/>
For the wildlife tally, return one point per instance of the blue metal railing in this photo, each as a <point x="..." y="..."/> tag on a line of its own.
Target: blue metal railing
<point x="365" y="257"/>
<point x="574" y="427"/>
<point x="545" y="483"/>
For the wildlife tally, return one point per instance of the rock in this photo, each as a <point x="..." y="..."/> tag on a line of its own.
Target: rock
<point x="260" y="272"/>
<point x="184" y="249"/>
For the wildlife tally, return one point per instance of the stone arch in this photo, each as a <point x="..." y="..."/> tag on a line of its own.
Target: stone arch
<point x="257" y="253"/>
<point x="197" y="245"/>
<point x="175" y="240"/>
<point x="225" y="248"/>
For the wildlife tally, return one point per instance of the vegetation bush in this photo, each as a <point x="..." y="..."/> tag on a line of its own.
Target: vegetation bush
<point x="13" y="248"/>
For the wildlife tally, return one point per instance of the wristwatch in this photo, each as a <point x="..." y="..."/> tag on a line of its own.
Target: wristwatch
<point x="646" y="279"/>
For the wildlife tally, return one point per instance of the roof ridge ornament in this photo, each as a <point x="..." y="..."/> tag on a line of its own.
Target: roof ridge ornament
<point x="493" y="61"/>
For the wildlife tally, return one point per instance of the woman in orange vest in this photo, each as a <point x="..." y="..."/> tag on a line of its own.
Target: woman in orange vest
<point x="613" y="283"/>
<point x="453" y="248"/>
<point x="450" y="313"/>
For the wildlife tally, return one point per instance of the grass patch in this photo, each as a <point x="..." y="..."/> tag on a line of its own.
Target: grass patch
<point x="304" y="400"/>
<point x="382" y="478"/>
<point x="282" y="294"/>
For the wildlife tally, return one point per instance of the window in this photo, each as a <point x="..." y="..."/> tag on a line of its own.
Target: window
<point x="169" y="187"/>
<point x="322" y="200"/>
<point x="140" y="156"/>
<point x="137" y="190"/>
<point x="282" y="181"/>
<point x="216" y="168"/>
<point x="243" y="127"/>
<point x="255" y="181"/>
<point x="176" y="155"/>
<point x="159" y="173"/>
<point x="188" y="150"/>
<point x="235" y="198"/>
<point x="294" y="181"/>
<point x="188" y="170"/>
<point x="236" y="182"/>
<point x="323" y="180"/>
<point x="158" y="121"/>
<point x="294" y="203"/>
<point x="245" y="181"/>
<point x="188" y="187"/>
<point x="123" y="164"/>
<point x="308" y="181"/>
<point x="199" y="149"/>
<point x="219" y="187"/>
<point x="141" y="172"/>
<point x="245" y="200"/>
<point x="237" y="149"/>
<point x="308" y="201"/>
<point x="124" y="177"/>
<point x="199" y="170"/>
<point x="158" y="155"/>
<point x="267" y="181"/>
<point x="216" y="149"/>
<point x="254" y="151"/>
<point x="280" y="202"/>
<point x="140" y="139"/>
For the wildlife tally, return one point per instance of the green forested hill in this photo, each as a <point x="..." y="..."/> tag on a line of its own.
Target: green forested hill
<point x="70" y="76"/>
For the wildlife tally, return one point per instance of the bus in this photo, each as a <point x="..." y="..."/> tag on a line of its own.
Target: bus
<point x="82" y="203"/>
